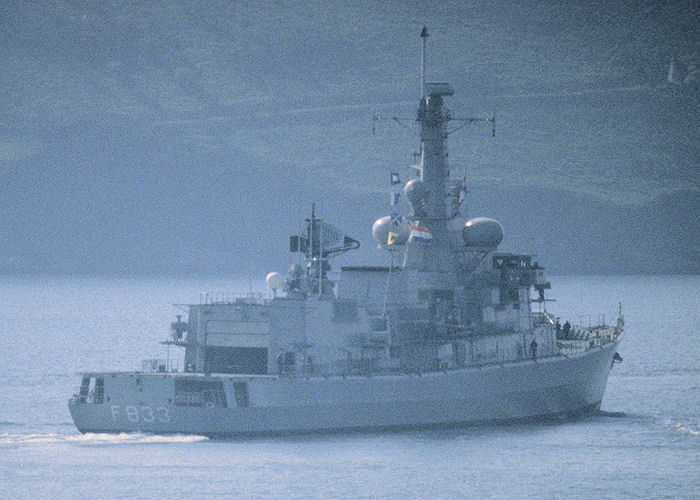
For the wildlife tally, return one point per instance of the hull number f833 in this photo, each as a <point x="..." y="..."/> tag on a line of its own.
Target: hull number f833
<point x="141" y="413"/>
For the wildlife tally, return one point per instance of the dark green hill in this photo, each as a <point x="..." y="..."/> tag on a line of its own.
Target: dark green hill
<point x="190" y="136"/>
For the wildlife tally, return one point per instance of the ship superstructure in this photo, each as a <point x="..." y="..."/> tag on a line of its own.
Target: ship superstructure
<point x="447" y="333"/>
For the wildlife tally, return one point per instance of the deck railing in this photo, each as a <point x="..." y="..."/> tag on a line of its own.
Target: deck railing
<point x="159" y="365"/>
<point x="583" y="339"/>
<point x="214" y="298"/>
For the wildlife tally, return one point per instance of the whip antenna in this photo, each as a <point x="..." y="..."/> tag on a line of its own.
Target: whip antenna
<point x="424" y="35"/>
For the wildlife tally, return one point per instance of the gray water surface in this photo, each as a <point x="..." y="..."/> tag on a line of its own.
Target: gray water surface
<point x="645" y="442"/>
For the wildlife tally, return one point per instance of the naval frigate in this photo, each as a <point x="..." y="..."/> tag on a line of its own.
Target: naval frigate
<point x="451" y="332"/>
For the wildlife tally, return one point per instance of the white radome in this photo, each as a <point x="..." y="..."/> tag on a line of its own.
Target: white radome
<point x="274" y="281"/>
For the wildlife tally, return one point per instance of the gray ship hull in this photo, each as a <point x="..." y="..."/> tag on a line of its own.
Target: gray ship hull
<point x="258" y="405"/>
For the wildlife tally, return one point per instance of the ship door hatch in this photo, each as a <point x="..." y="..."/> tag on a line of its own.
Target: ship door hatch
<point x="92" y="390"/>
<point x="240" y="391"/>
<point x="84" y="389"/>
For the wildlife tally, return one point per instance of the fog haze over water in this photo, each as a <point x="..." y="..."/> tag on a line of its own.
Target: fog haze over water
<point x="153" y="151"/>
<point x="191" y="137"/>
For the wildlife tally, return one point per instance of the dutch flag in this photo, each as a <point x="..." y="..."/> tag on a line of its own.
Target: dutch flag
<point x="420" y="234"/>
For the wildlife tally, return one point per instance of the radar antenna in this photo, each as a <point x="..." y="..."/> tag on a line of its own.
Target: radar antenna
<point x="320" y="240"/>
<point x="424" y="35"/>
<point x="433" y="88"/>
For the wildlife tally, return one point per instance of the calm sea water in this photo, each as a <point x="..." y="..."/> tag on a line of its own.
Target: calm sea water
<point x="645" y="444"/>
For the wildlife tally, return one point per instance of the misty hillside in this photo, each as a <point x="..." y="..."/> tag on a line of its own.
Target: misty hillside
<point x="193" y="136"/>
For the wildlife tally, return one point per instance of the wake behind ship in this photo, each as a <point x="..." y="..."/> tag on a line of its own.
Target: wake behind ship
<point x="451" y="332"/>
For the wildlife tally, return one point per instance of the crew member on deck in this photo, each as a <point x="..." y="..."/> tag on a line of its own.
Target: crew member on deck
<point x="566" y="329"/>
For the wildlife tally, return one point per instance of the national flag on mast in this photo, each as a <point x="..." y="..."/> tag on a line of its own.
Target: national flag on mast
<point x="420" y="234"/>
<point x="395" y="179"/>
<point x="462" y="191"/>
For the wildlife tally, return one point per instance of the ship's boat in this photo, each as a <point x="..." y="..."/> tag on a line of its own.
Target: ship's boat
<point x="450" y="332"/>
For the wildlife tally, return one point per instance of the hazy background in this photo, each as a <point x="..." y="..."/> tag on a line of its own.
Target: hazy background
<point x="191" y="137"/>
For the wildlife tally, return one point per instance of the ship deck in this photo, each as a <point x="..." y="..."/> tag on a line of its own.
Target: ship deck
<point x="567" y="348"/>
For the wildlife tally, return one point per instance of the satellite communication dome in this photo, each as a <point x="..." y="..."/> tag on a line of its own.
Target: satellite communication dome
<point x="482" y="232"/>
<point x="415" y="191"/>
<point x="390" y="233"/>
<point x="274" y="281"/>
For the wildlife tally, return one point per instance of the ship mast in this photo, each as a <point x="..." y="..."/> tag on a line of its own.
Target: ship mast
<point x="437" y="254"/>
<point x="431" y="247"/>
<point x="424" y="35"/>
<point x="433" y="119"/>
